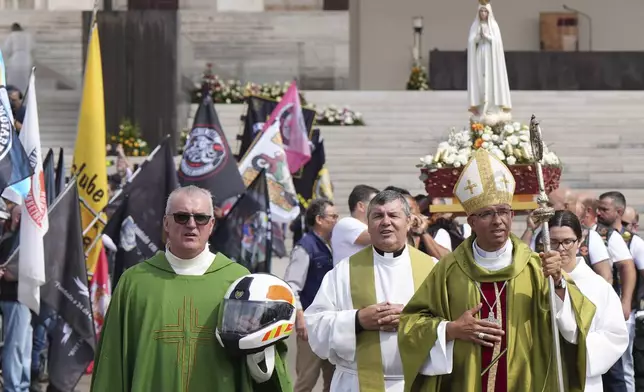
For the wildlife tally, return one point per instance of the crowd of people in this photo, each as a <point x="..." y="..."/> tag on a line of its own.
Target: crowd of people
<point x="594" y="237"/>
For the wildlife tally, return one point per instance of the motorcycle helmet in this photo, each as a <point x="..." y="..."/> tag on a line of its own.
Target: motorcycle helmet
<point x="258" y="311"/>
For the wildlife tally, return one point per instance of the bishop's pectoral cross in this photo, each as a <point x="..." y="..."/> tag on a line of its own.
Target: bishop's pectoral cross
<point x="186" y="334"/>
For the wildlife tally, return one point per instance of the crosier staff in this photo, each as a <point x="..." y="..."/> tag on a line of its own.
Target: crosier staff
<point x="542" y="215"/>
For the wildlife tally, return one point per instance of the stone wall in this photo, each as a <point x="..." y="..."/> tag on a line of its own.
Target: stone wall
<point x="385" y="26"/>
<point x="312" y="47"/>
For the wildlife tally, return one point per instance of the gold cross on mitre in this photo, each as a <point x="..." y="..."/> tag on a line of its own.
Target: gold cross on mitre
<point x="483" y="172"/>
<point x="470" y="186"/>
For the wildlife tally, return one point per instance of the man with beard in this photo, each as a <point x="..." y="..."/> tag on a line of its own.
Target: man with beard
<point x="488" y="303"/>
<point x="610" y="213"/>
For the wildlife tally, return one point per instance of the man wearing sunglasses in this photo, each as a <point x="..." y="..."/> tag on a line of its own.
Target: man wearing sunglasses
<point x="159" y="332"/>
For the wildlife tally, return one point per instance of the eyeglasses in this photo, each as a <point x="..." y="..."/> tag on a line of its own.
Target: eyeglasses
<point x="503" y="213"/>
<point x="183" y="218"/>
<point x="567" y="243"/>
<point x="332" y="216"/>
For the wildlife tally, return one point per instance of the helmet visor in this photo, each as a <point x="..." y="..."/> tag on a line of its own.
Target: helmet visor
<point x="246" y="317"/>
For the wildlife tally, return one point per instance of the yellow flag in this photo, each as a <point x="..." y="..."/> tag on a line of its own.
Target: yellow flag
<point x="89" y="164"/>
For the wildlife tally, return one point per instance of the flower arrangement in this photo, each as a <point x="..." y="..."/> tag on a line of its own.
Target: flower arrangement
<point x="332" y="115"/>
<point x="510" y="142"/>
<point x="418" y="79"/>
<point x="129" y="137"/>
<point x="234" y="92"/>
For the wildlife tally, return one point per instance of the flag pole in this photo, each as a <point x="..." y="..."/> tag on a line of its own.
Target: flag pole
<point x="543" y="215"/>
<point x="97" y="217"/>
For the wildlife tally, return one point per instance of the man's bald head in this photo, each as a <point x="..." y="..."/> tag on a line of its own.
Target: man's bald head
<point x="631" y="219"/>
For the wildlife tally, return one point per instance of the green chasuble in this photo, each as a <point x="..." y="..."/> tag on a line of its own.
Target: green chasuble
<point x="450" y="290"/>
<point x="159" y="334"/>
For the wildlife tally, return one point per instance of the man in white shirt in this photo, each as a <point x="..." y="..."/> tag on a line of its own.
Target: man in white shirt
<point x="609" y="213"/>
<point x="350" y="234"/>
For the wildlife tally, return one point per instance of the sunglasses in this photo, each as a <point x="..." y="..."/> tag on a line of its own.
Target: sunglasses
<point x="183" y="218"/>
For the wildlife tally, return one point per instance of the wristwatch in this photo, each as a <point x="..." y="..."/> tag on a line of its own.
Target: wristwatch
<point x="561" y="284"/>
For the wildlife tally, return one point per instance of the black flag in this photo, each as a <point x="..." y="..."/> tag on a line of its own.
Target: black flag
<point x="259" y="110"/>
<point x="137" y="225"/>
<point x="66" y="292"/>
<point x="14" y="161"/>
<point x="60" y="173"/>
<point x="50" y="177"/>
<point x="245" y="233"/>
<point x="207" y="160"/>
<point x="312" y="181"/>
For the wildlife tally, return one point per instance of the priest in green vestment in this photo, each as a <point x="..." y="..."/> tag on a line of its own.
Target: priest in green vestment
<point x="488" y="301"/>
<point x="159" y="332"/>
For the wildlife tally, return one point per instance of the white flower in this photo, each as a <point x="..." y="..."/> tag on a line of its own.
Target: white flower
<point x="513" y="140"/>
<point x="485" y="145"/>
<point x="511" y="160"/>
<point x="509" y="129"/>
<point x="427" y="159"/>
<point x="498" y="153"/>
<point x="487" y="129"/>
<point x="550" y="159"/>
<point x="486" y="137"/>
<point x="457" y="164"/>
<point x="495" y="138"/>
<point x="348" y="121"/>
<point x="439" y="165"/>
<point x="517" y="126"/>
<point x="524" y="138"/>
<point x="449" y="159"/>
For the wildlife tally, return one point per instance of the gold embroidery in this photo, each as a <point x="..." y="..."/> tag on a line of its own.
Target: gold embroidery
<point x="186" y="339"/>
<point x="491" y="380"/>
<point x="470" y="186"/>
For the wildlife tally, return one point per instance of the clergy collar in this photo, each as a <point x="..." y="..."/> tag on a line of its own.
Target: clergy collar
<point x="491" y="255"/>
<point x="175" y="258"/>
<point x="389" y="255"/>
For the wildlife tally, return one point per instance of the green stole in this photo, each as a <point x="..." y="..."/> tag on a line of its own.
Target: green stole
<point x="363" y="294"/>
<point x="450" y="290"/>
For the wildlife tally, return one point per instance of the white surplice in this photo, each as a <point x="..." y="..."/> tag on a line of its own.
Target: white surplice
<point x="495" y="261"/>
<point x="331" y="321"/>
<point x="608" y="338"/>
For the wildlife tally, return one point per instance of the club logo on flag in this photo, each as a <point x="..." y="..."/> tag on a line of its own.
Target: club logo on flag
<point x="5" y="132"/>
<point x="254" y="233"/>
<point x="128" y="234"/>
<point x="205" y="153"/>
<point x="36" y="200"/>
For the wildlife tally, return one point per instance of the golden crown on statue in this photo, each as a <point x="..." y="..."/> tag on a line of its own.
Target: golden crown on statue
<point x="484" y="2"/>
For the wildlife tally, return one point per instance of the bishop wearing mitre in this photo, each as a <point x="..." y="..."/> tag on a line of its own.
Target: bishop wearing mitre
<point x="488" y="302"/>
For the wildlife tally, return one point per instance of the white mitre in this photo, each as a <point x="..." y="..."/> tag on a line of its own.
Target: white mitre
<point x="485" y="181"/>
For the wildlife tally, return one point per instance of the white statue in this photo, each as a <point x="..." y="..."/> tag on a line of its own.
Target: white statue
<point x="488" y="89"/>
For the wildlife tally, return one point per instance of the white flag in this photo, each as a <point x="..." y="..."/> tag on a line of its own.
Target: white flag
<point x="267" y="152"/>
<point x="34" y="222"/>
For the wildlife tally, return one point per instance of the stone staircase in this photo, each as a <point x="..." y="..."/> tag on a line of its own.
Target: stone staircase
<point x="596" y="134"/>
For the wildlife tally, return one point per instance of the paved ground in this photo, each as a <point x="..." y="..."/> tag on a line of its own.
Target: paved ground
<point x="279" y="266"/>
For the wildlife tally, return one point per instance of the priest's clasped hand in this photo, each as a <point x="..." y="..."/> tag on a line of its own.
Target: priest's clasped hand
<point x="469" y="328"/>
<point x="380" y="317"/>
<point x="551" y="264"/>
